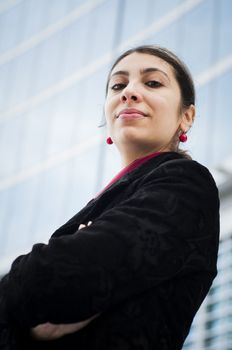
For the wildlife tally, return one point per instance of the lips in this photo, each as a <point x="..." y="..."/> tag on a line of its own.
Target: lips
<point x="131" y="113"/>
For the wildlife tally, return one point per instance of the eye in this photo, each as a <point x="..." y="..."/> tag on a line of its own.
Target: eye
<point x="117" y="87"/>
<point x="153" y="83"/>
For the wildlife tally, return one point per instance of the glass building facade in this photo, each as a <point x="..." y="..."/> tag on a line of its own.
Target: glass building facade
<point x="54" y="60"/>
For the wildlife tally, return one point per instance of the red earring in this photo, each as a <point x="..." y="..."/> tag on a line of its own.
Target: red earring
<point x="183" y="137"/>
<point x="109" y="141"/>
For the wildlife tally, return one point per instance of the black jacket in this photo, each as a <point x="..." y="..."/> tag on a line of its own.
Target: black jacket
<point x="146" y="263"/>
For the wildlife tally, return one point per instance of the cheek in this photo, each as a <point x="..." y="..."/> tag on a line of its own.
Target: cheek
<point x="109" y="107"/>
<point x="108" y="111"/>
<point x="165" y="106"/>
<point x="166" y="112"/>
<point x="106" y="107"/>
<point x="156" y="101"/>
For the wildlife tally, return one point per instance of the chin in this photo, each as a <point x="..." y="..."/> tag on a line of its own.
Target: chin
<point x="131" y="133"/>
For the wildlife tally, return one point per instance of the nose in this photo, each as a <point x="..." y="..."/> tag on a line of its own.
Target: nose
<point x="130" y="94"/>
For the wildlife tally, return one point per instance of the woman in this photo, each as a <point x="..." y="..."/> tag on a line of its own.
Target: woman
<point x="135" y="276"/>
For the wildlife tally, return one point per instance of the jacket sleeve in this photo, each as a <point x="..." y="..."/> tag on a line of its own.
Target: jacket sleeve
<point x="168" y="228"/>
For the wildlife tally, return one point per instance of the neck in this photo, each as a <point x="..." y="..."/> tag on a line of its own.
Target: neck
<point x="128" y="158"/>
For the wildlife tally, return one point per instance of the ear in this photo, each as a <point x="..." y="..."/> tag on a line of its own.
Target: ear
<point x="188" y="117"/>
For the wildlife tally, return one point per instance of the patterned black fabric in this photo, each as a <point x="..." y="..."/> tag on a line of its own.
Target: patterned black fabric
<point x="146" y="264"/>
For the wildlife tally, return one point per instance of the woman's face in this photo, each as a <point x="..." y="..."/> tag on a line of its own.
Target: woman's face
<point x="146" y="88"/>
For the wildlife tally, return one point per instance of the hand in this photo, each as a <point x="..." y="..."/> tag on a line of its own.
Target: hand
<point x="50" y="331"/>
<point x="83" y="225"/>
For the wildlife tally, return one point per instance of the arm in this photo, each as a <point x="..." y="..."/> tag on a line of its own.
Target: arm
<point x="168" y="228"/>
<point x="49" y="331"/>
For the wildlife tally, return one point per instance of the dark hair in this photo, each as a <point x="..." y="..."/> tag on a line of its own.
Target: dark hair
<point x="181" y="73"/>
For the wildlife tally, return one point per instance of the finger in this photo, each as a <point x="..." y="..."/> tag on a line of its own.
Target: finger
<point x="46" y="331"/>
<point x="81" y="226"/>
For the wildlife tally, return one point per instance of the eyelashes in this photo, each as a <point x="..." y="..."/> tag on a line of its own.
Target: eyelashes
<point x="117" y="87"/>
<point x="150" y="83"/>
<point x="154" y="83"/>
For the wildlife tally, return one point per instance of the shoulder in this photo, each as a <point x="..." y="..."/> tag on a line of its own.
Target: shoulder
<point x="178" y="167"/>
<point x="182" y="178"/>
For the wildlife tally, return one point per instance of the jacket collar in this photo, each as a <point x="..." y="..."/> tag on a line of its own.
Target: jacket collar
<point x="96" y="205"/>
<point x="140" y="170"/>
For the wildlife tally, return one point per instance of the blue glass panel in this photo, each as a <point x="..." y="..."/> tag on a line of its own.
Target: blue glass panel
<point x="168" y="37"/>
<point x="12" y="134"/>
<point x="222" y="143"/>
<point x="93" y="104"/>
<point x="67" y="112"/>
<point x="10" y="27"/>
<point x="24" y="140"/>
<point x="4" y="197"/>
<point x="101" y="30"/>
<point x="112" y="164"/>
<point x="22" y="77"/>
<point x="41" y="204"/>
<point x="74" y="47"/>
<point x="34" y="18"/>
<point x="69" y="118"/>
<point x="80" y="186"/>
<point x="30" y="17"/>
<point x="137" y="15"/>
<point x="195" y="36"/>
<point x="6" y="79"/>
<point x="19" y="217"/>
<point x="225" y="28"/>
<point x="199" y="144"/>
<point x="50" y="62"/>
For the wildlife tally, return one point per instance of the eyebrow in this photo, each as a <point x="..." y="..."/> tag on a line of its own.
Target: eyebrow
<point x="142" y="71"/>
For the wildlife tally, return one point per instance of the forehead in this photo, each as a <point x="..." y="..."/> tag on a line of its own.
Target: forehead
<point x="135" y="62"/>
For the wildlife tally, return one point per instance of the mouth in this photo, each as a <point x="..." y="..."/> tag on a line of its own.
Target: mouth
<point x="131" y="113"/>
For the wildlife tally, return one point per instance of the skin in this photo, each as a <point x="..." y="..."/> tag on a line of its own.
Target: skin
<point x="49" y="331"/>
<point x="157" y="94"/>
